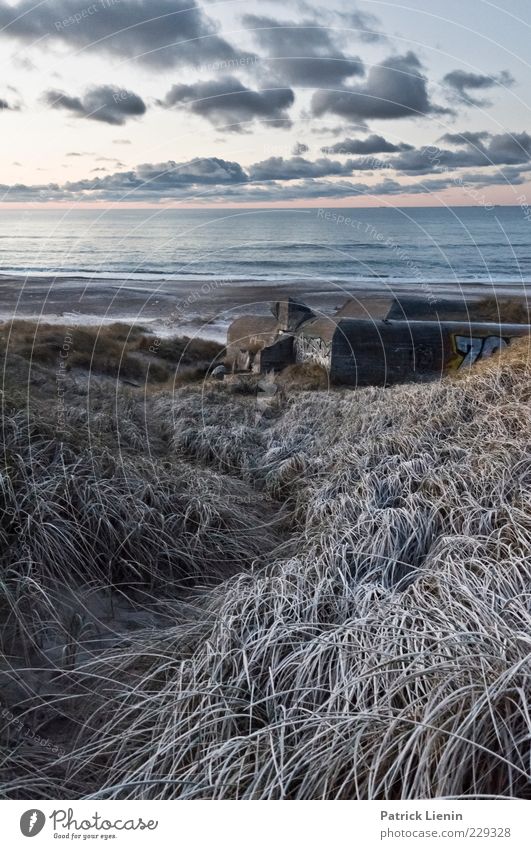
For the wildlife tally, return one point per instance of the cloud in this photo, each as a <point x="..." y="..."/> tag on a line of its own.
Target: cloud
<point x="164" y="185"/>
<point x="365" y="25"/>
<point x="431" y="159"/>
<point x="203" y="171"/>
<point x="227" y="102"/>
<point x="498" y="149"/>
<point x="160" y="181"/>
<point x="23" y="63"/>
<point x="321" y="130"/>
<point x="302" y="53"/>
<point x="372" y="144"/>
<point x="461" y="82"/>
<point x="127" y="186"/>
<point x="297" y="168"/>
<point x="396" y="88"/>
<point x="7" y="104"/>
<point x="502" y="176"/>
<point x="475" y="150"/>
<point x="161" y="33"/>
<point x="147" y="182"/>
<point x="502" y="151"/>
<point x="474" y="138"/>
<point x="279" y="179"/>
<point x="103" y="103"/>
<point x="299" y="148"/>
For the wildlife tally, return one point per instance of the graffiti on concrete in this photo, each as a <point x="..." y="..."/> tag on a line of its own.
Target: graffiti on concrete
<point x="470" y="349"/>
<point x="312" y="349"/>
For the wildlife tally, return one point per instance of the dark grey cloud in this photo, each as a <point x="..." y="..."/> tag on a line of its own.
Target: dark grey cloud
<point x="7" y="104"/>
<point x="210" y="171"/>
<point x="103" y="103"/>
<point x="146" y="182"/>
<point x="302" y="53"/>
<point x="227" y="102"/>
<point x="60" y="100"/>
<point x="463" y="82"/>
<point x="370" y="145"/>
<point x="39" y="192"/>
<point x="497" y="149"/>
<point x="510" y="175"/>
<point x="297" y="168"/>
<point x="431" y="159"/>
<point x="162" y="185"/>
<point x="278" y="179"/>
<point x="299" y="148"/>
<point x="127" y="186"/>
<point x="310" y="189"/>
<point x="160" y="181"/>
<point x="326" y="189"/>
<point x="364" y="24"/>
<point x="162" y="33"/>
<point x="474" y="138"/>
<point x="509" y="148"/>
<point x="474" y="150"/>
<point x="478" y="150"/>
<point x="395" y="88"/>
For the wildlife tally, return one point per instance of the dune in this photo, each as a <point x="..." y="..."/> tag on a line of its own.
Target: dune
<point x="205" y="598"/>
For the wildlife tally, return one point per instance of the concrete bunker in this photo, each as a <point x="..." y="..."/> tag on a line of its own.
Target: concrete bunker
<point x="377" y="341"/>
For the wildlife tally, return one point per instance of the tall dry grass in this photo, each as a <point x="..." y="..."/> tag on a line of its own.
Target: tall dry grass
<point x="328" y="603"/>
<point x="120" y="351"/>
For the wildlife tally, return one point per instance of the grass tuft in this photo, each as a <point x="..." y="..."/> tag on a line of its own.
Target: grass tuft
<point x="201" y="601"/>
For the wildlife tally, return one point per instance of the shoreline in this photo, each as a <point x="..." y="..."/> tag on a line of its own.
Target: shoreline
<point x="171" y="307"/>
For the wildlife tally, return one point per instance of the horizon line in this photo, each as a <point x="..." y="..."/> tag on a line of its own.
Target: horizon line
<point x="117" y="205"/>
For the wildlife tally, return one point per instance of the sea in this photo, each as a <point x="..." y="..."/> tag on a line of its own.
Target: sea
<point x="201" y="267"/>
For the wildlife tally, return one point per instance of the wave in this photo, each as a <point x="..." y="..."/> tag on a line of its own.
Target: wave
<point x="285" y="277"/>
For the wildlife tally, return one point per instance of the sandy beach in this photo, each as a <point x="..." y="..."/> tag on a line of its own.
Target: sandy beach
<point x="171" y="307"/>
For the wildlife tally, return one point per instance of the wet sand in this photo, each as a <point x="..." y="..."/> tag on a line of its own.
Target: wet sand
<point x="171" y="307"/>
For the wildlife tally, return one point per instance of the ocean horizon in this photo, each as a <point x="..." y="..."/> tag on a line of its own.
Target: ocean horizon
<point x="268" y="244"/>
<point x="194" y="271"/>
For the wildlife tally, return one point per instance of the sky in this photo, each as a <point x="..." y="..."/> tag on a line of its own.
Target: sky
<point x="241" y="103"/>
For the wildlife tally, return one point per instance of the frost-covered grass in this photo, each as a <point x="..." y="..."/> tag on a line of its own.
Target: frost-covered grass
<point x="330" y="602"/>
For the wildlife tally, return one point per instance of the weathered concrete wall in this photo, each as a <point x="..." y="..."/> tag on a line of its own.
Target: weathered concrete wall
<point x="290" y="314"/>
<point x="246" y="336"/>
<point x="277" y="356"/>
<point x="370" y="351"/>
<point x="381" y="353"/>
<point x="459" y="308"/>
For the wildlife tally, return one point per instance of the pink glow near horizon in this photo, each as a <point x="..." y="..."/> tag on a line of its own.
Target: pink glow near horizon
<point x="496" y="196"/>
